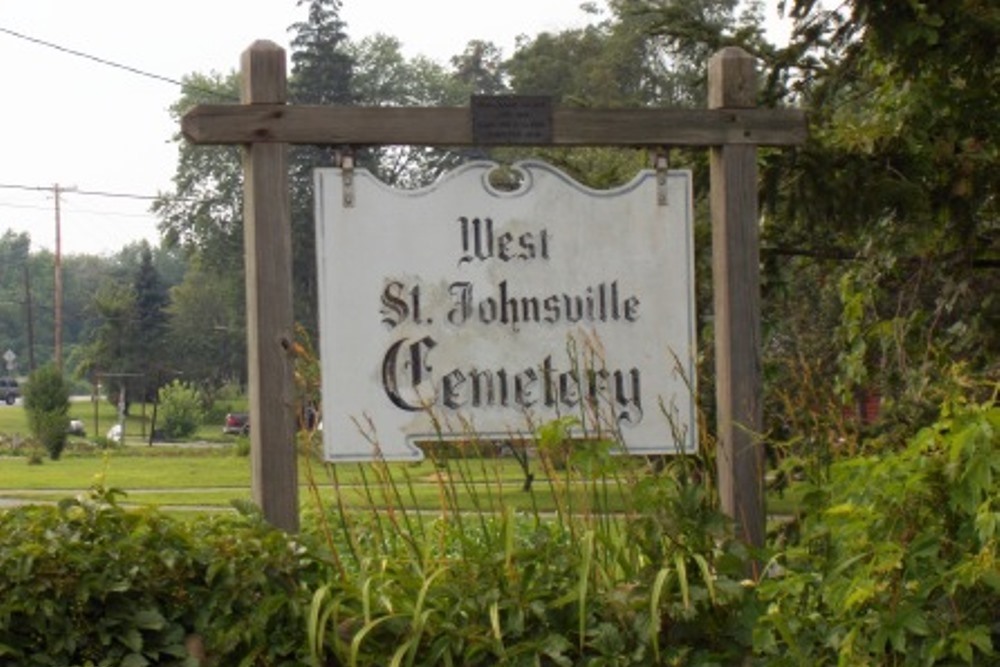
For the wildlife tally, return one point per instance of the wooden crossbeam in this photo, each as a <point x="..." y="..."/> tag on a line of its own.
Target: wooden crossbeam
<point x="452" y="126"/>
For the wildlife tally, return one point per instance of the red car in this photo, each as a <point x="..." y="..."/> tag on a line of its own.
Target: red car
<point x="237" y="423"/>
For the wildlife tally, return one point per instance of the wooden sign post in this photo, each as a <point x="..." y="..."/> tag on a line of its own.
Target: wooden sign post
<point x="732" y="84"/>
<point x="732" y="128"/>
<point x="267" y="240"/>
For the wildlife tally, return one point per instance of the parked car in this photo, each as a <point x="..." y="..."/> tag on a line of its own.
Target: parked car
<point x="237" y="423"/>
<point x="9" y="391"/>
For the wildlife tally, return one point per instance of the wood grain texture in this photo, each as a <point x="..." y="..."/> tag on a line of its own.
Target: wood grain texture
<point x="268" y="258"/>
<point x="452" y="126"/>
<point x="736" y="288"/>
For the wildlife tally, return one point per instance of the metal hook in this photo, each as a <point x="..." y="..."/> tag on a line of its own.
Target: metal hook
<point x="662" y="165"/>
<point x="347" y="172"/>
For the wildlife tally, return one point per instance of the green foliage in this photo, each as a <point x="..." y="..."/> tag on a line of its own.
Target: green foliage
<point x="893" y="560"/>
<point x="88" y="583"/>
<point x="15" y="260"/>
<point x="896" y="560"/>
<point x="180" y="409"/>
<point x="321" y="73"/>
<point x="147" y="349"/>
<point x="207" y="332"/>
<point x="660" y="583"/>
<point x="46" y="400"/>
<point x="383" y="76"/>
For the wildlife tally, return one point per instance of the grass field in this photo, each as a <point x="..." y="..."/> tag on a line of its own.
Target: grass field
<point x="210" y="474"/>
<point x="168" y="475"/>
<point x="99" y="416"/>
<point x="210" y="480"/>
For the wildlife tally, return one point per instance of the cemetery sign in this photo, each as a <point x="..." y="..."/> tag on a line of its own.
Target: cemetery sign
<point x="468" y="310"/>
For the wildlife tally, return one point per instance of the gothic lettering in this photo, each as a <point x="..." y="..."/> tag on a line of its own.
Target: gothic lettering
<point x="395" y="308"/>
<point x="410" y="384"/>
<point x="597" y="303"/>
<point x="480" y="242"/>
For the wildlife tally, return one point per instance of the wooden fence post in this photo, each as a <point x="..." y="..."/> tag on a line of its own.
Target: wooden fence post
<point x="736" y="284"/>
<point x="268" y="263"/>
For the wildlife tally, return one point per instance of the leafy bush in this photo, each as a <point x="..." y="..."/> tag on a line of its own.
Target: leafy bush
<point x="896" y="560"/>
<point x="46" y="400"/>
<point x="88" y="583"/>
<point x="181" y="409"/>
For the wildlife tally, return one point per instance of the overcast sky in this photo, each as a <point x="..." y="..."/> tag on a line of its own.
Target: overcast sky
<point x="78" y="123"/>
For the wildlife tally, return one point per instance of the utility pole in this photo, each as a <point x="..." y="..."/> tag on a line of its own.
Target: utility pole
<point x="56" y="191"/>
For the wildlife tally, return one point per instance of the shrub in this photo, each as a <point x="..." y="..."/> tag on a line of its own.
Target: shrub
<point x="46" y="400"/>
<point x="88" y="583"/>
<point x="896" y="560"/>
<point x="180" y="409"/>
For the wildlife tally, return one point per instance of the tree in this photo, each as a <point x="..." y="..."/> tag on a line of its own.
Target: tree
<point x="204" y="219"/>
<point x="383" y="76"/>
<point x="884" y="226"/>
<point x="46" y="400"/>
<point x="207" y="328"/>
<point x="480" y="68"/>
<point x="107" y="352"/>
<point x="611" y="64"/>
<point x="321" y="70"/>
<point x="149" y="351"/>
<point x="901" y="175"/>
<point x="14" y="277"/>
<point x="321" y="74"/>
<point x="204" y="214"/>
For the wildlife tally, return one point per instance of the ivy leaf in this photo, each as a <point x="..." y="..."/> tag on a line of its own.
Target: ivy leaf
<point x="150" y="619"/>
<point x="135" y="660"/>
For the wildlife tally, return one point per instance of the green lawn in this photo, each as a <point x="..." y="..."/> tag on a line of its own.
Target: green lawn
<point x="170" y="475"/>
<point x="212" y="474"/>
<point x="101" y="415"/>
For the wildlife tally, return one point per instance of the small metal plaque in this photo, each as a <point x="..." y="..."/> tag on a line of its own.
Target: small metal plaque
<point x="511" y="119"/>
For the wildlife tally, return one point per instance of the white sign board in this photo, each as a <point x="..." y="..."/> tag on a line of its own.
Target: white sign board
<point x="462" y="311"/>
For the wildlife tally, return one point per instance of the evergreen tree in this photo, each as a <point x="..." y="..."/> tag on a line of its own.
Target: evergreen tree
<point x="321" y="74"/>
<point x="321" y="69"/>
<point x="151" y="299"/>
<point x="148" y="348"/>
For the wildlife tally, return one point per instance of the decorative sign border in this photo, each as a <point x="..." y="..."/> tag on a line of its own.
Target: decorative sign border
<point x="465" y="311"/>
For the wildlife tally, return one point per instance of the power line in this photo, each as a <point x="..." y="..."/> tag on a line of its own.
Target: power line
<point x="101" y="193"/>
<point x="25" y="206"/>
<point x="115" y="214"/>
<point x="111" y="63"/>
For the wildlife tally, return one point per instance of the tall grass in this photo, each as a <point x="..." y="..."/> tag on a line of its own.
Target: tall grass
<point x="612" y="559"/>
<point x="632" y="553"/>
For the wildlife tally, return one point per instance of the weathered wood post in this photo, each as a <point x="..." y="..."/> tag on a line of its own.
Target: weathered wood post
<point x="736" y="283"/>
<point x="268" y="257"/>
